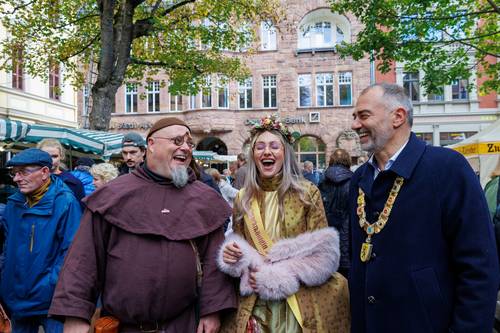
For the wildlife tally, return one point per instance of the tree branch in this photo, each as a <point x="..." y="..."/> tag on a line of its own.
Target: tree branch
<point x="15" y="9"/>
<point x="438" y="18"/>
<point x="77" y="20"/>
<point x="494" y="5"/>
<point x="80" y="51"/>
<point x="144" y="27"/>
<point x="163" y="64"/>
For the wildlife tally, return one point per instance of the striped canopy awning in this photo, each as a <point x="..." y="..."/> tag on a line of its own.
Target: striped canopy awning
<point x="95" y="142"/>
<point x="12" y="130"/>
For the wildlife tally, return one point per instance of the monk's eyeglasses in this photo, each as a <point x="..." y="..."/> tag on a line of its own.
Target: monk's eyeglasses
<point x="179" y="140"/>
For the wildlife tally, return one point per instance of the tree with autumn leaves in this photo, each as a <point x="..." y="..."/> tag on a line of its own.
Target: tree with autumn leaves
<point x="445" y="39"/>
<point x="132" y="40"/>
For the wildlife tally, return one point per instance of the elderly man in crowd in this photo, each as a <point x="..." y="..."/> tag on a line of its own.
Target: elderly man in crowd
<point x="423" y="250"/>
<point x="140" y="245"/>
<point x="41" y="219"/>
<point x="133" y="152"/>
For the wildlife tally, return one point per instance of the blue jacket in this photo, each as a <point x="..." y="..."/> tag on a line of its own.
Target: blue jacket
<point x="37" y="240"/>
<point x="86" y="179"/>
<point x="434" y="266"/>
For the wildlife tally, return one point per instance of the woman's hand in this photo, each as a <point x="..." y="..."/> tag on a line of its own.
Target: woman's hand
<point x="232" y="253"/>
<point x="252" y="280"/>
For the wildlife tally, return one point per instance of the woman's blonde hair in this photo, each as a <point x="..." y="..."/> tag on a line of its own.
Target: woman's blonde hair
<point x="54" y="143"/>
<point x="104" y="171"/>
<point x="290" y="182"/>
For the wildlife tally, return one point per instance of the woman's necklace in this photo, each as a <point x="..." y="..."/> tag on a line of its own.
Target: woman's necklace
<point x="376" y="227"/>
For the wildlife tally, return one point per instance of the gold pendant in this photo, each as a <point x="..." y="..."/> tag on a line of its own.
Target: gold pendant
<point x="366" y="251"/>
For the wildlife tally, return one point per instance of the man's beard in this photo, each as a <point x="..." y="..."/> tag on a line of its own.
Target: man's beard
<point x="179" y="176"/>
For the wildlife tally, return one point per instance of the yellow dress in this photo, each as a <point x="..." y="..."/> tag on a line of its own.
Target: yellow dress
<point x="324" y="309"/>
<point x="273" y="316"/>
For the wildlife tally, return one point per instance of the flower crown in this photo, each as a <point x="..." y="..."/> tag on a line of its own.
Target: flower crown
<point x="272" y="123"/>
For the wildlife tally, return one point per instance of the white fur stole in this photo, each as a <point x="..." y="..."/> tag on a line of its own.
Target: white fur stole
<point x="310" y="258"/>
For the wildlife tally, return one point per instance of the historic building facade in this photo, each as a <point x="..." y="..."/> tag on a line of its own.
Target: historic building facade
<point x="295" y="73"/>
<point x="33" y="100"/>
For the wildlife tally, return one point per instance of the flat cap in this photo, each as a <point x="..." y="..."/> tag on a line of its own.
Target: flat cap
<point x="133" y="139"/>
<point x="31" y="156"/>
<point x="165" y="122"/>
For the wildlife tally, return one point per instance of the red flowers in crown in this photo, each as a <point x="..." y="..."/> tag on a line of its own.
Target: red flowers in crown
<point x="272" y="123"/>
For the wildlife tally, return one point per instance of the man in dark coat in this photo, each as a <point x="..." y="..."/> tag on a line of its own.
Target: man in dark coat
<point x="138" y="244"/>
<point x="133" y="152"/>
<point x="423" y="250"/>
<point x="335" y="193"/>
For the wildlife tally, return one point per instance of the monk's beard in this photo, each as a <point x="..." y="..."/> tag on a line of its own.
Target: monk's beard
<point x="180" y="176"/>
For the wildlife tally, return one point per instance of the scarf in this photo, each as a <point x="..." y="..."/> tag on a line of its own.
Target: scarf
<point x="37" y="195"/>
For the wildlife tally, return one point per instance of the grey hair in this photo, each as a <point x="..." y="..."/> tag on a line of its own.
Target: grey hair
<point x="291" y="181"/>
<point x="394" y="97"/>
<point x="105" y="171"/>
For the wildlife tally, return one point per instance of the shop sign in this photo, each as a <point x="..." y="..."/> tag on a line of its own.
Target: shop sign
<point x="287" y="120"/>
<point x="131" y="125"/>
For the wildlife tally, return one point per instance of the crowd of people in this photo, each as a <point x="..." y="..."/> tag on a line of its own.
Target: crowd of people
<point x="405" y="243"/>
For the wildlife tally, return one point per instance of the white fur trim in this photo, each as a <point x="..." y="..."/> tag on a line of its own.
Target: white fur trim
<point x="310" y="258"/>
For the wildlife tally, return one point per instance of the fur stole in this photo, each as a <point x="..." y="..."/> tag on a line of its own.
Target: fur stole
<point x="310" y="258"/>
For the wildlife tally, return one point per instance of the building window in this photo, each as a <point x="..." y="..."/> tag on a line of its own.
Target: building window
<point x="17" y="68"/>
<point x="459" y="89"/>
<point x="310" y="148"/>
<point x="175" y="102"/>
<point x="192" y="101"/>
<point x="223" y="92"/>
<point x="449" y="138"/>
<point x="245" y="92"/>
<point x="86" y="100"/>
<point x="269" y="91"/>
<point x="411" y="85"/>
<point x="437" y="96"/>
<point x="324" y="89"/>
<point x="206" y="93"/>
<point x="54" y="83"/>
<point x="267" y="36"/>
<point x="427" y="137"/>
<point x="345" y="88"/>
<point x="305" y="91"/>
<point x="154" y="96"/>
<point x="131" y="98"/>
<point x="323" y="29"/>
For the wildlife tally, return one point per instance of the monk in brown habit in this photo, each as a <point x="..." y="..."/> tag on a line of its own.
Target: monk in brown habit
<point x="140" y="245"/>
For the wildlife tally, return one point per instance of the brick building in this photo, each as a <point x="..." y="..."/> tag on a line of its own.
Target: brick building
<point x="297" y="73"/>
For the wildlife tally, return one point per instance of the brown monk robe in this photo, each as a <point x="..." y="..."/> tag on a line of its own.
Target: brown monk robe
<point x="133" y="249"/>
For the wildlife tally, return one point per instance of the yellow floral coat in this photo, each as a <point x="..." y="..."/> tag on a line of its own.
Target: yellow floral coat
<point x="324" y="308"/>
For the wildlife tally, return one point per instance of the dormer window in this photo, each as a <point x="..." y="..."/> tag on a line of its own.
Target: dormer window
<point x="322" y="29"/>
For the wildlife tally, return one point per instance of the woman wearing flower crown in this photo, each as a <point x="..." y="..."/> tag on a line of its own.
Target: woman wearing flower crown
<point x="282" y="251"/>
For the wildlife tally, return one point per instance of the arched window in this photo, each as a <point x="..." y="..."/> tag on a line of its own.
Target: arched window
<point x="310" y="148"/>
<point x="322" y="29"/>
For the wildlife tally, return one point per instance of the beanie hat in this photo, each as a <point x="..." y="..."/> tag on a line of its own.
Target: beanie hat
<point x="133" y="139"/>
<point x="165" y="122"/>
<point x="85" y="161"/>
<point x="31" y="156"/>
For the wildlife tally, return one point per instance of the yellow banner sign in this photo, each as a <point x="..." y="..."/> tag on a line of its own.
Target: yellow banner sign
<point x="483" y="148"/>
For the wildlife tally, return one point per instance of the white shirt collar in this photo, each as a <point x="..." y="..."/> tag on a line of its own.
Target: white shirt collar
<point x="389" y="163"/>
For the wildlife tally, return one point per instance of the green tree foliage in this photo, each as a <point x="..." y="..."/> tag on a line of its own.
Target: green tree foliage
<point x="130" y="40"/>
<point x="445" y="39"/>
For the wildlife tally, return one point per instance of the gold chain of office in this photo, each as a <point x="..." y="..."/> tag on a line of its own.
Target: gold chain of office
<point x="376" y="227"/>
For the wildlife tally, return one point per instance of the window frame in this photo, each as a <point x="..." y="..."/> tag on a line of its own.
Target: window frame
<point x="268" y="36"/>
<point x="324" y="85"/>
<point x="153" y="91"/>
<point x="306" y="84"/>
<point x="341" y="84"/>
<point x="409" y="81"/>
<point x="55" y="81"/>
<point x="133" y="97"/>
<point x="18" y="68"/>
<point x="270" y="87"/>
<point x="247" y="89"/>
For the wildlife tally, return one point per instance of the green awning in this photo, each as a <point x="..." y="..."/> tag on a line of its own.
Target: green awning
<point x="12" y="130"/>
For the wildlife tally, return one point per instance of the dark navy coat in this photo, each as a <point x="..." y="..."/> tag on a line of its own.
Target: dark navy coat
<point x="434" y="266"/>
